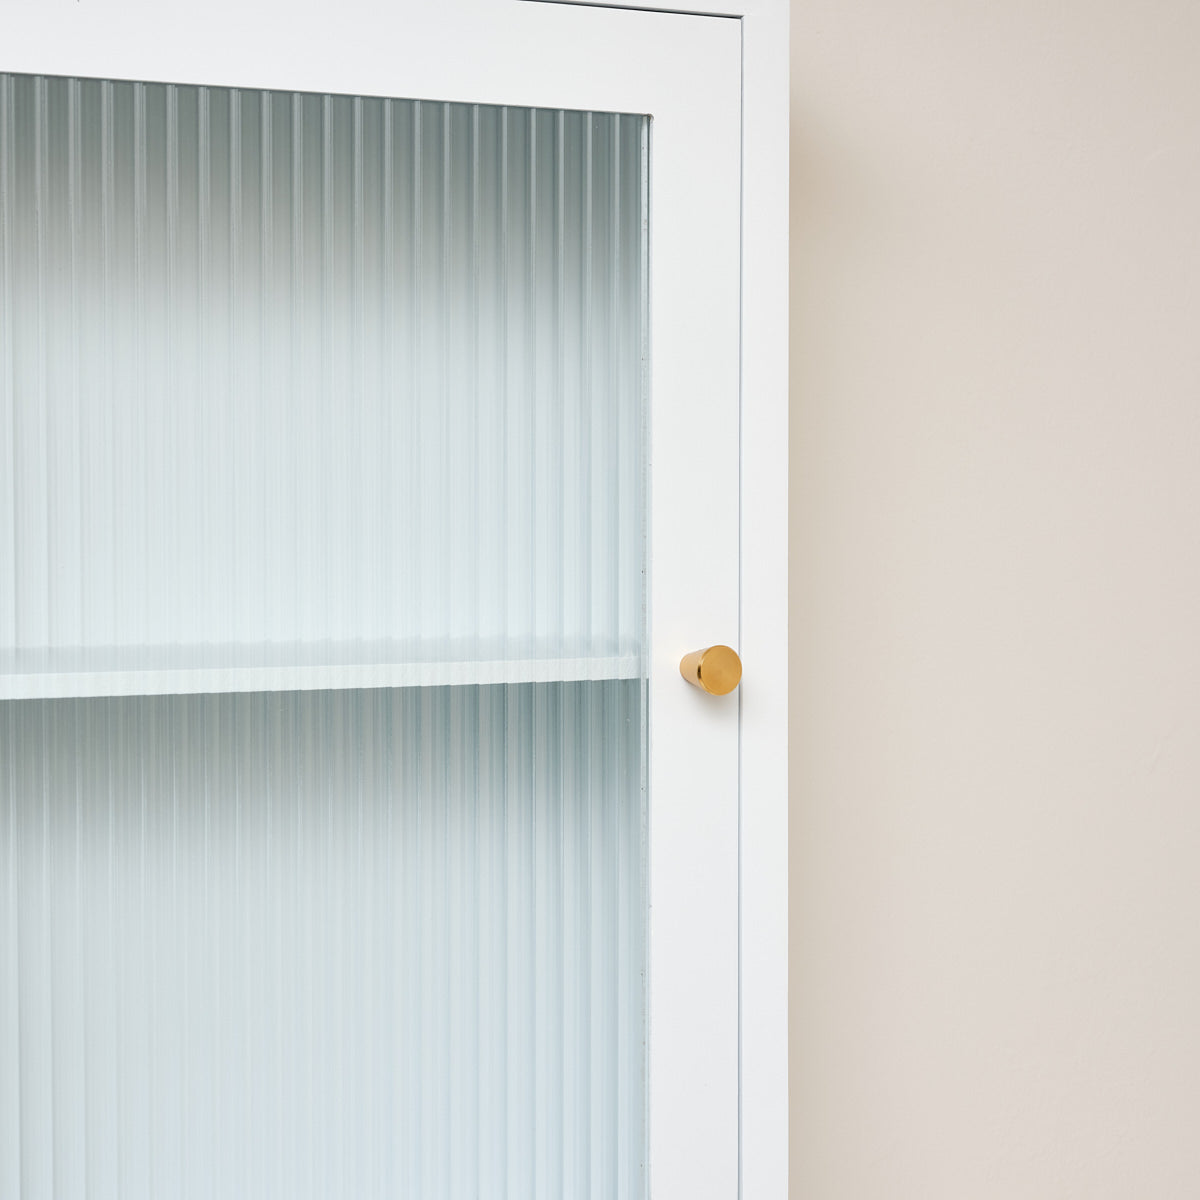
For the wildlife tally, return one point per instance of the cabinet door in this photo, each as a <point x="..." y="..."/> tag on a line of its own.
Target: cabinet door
<point x="370" y="396"/>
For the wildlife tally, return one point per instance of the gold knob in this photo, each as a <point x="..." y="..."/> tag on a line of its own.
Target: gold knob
<point x="717" y="670"/>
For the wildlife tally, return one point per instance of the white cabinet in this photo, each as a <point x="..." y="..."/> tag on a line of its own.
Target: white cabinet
<point x="372" y="385"/>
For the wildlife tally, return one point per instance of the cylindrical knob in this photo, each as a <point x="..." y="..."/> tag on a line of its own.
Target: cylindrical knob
<point x="717" y="670"/>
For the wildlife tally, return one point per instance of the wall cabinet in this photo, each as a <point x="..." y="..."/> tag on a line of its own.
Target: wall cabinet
<point x="376" y="439"/>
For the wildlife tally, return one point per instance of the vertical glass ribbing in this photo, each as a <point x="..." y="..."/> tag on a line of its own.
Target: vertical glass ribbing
<point x="365" y="943"/>
<point x="284" y="371"/>
<point x="299" y="369"/>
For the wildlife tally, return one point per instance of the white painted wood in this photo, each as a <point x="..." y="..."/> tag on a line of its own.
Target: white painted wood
<point x="764" y="614"/>
<point x="764" y="585"/>
<point x="684" y="71"/>
<point x="336" y="672"/>
<point x="773" y="11"/>
<point x="470" y="51"/>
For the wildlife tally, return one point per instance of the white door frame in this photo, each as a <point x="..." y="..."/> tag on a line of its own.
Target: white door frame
<point x="764" y="582"/>
<point x="683" y="70"/>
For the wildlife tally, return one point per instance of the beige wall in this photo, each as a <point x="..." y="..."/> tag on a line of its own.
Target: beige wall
<point x="996" y="599"/>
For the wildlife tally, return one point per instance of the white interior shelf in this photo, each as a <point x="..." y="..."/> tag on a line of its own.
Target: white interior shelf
<point x="138" y="671"/>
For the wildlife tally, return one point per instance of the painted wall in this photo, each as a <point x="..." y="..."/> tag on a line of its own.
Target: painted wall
<point x="996" y="599"/>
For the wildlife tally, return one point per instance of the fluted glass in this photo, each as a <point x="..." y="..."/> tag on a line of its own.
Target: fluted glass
<point x="304" y="381"/>
<point x="322" y="646"/>
<point x="372" y="943"/>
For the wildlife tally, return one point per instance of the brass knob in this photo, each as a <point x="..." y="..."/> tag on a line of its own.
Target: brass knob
<point x="717" y="670"/>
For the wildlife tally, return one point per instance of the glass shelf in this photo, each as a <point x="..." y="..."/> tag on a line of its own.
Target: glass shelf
<point x="141" y="671"/>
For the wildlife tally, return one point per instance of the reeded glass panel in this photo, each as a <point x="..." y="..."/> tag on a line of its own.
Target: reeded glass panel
<point x="359" y="943"/>
<point x="322" y="696"/>
<point x="300" y="380"/>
